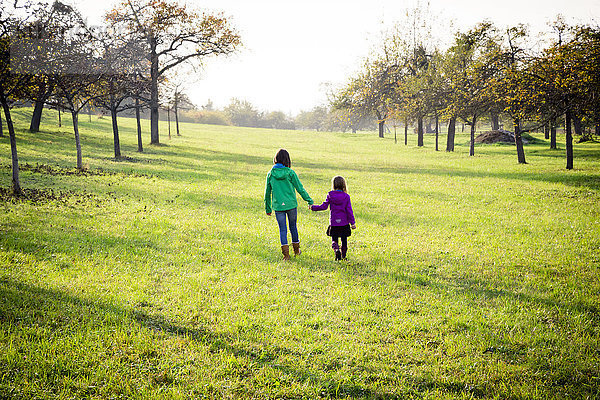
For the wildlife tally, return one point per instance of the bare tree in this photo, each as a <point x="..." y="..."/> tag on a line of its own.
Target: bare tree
<point x="175" y="35"/>
<point x="67" y="54"/>
<point x="120" y="59"/>
<point x="13" y="80"/>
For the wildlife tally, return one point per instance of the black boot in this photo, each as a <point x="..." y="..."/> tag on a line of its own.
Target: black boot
<point x="344" y="251"/>
<point x="338" y="255"/>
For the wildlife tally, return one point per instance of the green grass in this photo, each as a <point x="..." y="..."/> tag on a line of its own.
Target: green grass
<point x="159" y="276"/>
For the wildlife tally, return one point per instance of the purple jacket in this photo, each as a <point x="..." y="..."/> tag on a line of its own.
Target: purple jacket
<point x="341" y="210"/>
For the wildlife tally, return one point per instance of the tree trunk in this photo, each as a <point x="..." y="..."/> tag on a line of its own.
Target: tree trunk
<point x="437" y="130"/>
<point x="463" y="128"/>
<point x="115" y="127"/>
<point x="77" y="140"/>
<point x="395" y="137"/>
<point x="154" y="139"/>
<point x="584" y="134"/>
<point x="569" y="139"/>
<point x="1" y="126"/>
<point x="381" y="124"/>
<point x="547" y="131"/>
<point x="16" y="184"/>
<point x="553" y="133"/>
<point x="495" y="121"/>
<point x="420" y="131"/>
<point x="472" y="146"/>
<point x="59" y="118"/>
<point x="519" y="142"/>
<point x="176" y="118"/>
<point x="406" y="131"/>
<point x="577" y="124"/>
<point x="451" y="133"/>
<point x="428" y="128"/>
<point x="38" y="108"/>
<point x="169" y="121"/>
<point x="139" y="125"/>
<point x="36" y="117"/>
<point x="597" y="130"/>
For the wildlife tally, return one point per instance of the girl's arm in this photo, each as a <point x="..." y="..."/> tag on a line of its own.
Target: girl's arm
<point x="321" y="207"/>
<point x="350" y="213"/>
<point x="268" y="191"/>
<point x="298" y="185"/>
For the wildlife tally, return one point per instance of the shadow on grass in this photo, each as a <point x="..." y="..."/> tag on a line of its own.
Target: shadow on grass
<point x="580" y="179"/>
<point x="26" y="308"/>
<point x="463" y="286"/>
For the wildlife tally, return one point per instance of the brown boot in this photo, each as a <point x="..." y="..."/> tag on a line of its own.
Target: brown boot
<point x="285" y="249"/>
<point x="296" y="247"/>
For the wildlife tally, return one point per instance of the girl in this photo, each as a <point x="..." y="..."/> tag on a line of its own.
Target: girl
<point x="279" y="191"/>
<point x="341" y="217"/>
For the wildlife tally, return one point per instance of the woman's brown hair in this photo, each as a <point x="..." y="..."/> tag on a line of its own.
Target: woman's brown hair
<point x="283" y="157"/>
<point x="339" y="183"/>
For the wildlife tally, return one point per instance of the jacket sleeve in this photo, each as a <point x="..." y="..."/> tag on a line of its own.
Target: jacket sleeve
<point x="268" y="191"/>
<point x="298" y="185"/>
<point x="322" y="206"/>
<point x="350" y="213"/>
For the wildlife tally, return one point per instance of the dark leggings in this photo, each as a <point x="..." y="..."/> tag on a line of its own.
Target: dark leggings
<point x="336" y="246"/>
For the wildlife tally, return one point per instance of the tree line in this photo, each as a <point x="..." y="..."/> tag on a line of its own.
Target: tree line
<point x="51" y="57"/>
<point x="485" y="71"/>
<point x="244" y="113"/>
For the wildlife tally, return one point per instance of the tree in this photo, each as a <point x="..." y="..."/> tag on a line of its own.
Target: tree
<point x="448" y="83"/>
<point x="585" y="54"/>
<point x="175" y="97"/>
<point x="515" y="88"/>
<point x="67" y="53"/>
<point x="175" y="35"/>
<point x="119" y="61"/>
<point x="14" y="82"/>
<point x="369" y="93"/>
<point x="314" y="119"/>
<point x="45" y="88"/>
<point x="276" y="120"/>
<point x="475" y="56"/>
<point x="568" y="73"/>
<point x="412" y="47"/>
<point x="242" y="113"/>
<point x="414" y="91"/>
<point x="47" y="22"/>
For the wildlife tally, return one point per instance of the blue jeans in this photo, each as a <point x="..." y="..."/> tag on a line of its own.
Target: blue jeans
<point x="292" y="216"/>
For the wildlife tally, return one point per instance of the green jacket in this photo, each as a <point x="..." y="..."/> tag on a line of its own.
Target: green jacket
<point x="279" y="189"/>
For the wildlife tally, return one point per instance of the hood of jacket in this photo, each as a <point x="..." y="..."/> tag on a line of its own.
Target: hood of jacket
<point x="280" y="173"/>
<point x="337" y="197"/>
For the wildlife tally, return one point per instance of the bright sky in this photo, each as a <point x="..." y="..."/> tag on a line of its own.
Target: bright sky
<point x="293" y="49"/>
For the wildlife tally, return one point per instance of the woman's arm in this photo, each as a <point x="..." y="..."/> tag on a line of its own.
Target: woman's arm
<point x="268" y="190"/>
<point x="298" y="185"/>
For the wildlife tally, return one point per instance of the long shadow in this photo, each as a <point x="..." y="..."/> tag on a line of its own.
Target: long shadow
<point x="581" y="179"/>
<point x="24" y="307"/>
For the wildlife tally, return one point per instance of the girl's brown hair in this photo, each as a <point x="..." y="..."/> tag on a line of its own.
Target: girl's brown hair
<point x="339" y="183"/>
<point x="283" y="157"/>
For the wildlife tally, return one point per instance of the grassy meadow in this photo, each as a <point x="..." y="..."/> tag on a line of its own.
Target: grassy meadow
<point x="160" y="276"/>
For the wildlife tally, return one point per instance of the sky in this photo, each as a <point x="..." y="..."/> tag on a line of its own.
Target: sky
<point x="294" y="50"/>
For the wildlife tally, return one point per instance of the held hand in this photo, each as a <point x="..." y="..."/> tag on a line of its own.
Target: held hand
<point x="269" y="214"/>
<point x="353" y="226"/>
